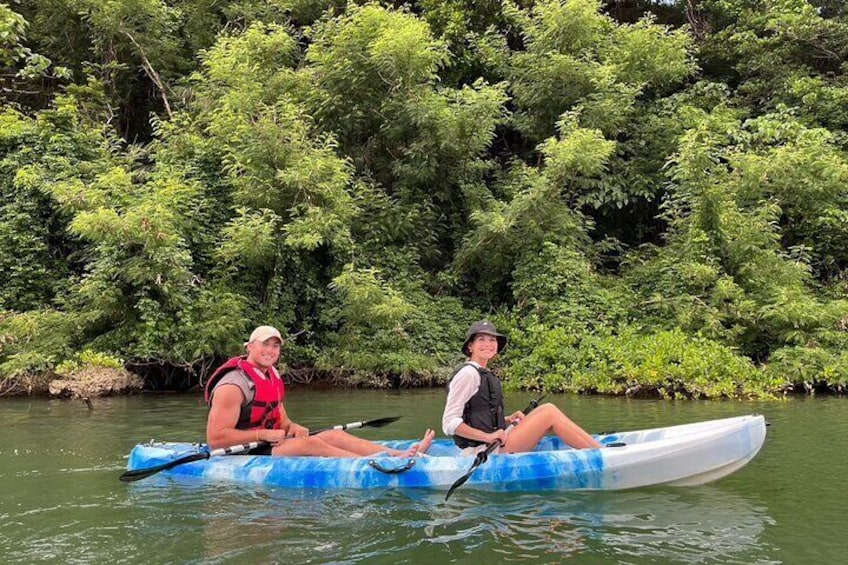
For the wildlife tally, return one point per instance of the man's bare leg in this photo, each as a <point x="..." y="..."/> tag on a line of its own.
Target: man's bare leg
<point x="312" y="445"/>
<point x="422" y="446"/>
<point x="347" y="442"/>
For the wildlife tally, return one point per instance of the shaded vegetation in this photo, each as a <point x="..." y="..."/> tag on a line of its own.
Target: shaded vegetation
<point x="650" y="197"/>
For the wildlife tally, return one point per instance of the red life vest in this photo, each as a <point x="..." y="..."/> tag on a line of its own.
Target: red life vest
<point x="264" y="411"/>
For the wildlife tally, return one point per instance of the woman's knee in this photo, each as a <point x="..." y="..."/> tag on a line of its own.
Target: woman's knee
<point x="548" y="409"/>
<point x="551" y="414"/>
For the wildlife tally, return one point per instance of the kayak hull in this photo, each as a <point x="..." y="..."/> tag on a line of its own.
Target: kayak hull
<point x="685" y="455"/>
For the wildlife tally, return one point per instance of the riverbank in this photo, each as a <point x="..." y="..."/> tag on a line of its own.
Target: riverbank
<point x="97" y="381"/>
<point x="84" y="383"/>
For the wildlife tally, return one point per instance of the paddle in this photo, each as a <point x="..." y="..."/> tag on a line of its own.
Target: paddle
<point x="138" y="474"/>
<point x="484" y="455"/>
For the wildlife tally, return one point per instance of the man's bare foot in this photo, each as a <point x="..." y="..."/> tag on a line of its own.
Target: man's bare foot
<point x="422" y="446"/>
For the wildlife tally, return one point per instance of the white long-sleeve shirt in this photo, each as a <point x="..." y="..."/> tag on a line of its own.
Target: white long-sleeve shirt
<point x="463" y="386"/>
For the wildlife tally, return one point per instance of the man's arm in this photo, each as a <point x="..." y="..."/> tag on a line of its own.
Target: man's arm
<point x="221" y="428"/>
<point x="290" y="427"/>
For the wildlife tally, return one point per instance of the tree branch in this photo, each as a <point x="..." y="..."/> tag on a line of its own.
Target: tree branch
<point x="151" y="72"/>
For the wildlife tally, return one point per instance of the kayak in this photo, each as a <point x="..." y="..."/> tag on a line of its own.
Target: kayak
<point x="683" y="455"/>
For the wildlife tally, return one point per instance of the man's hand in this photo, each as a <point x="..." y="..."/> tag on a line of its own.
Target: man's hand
<point x="296" y="430"/>
<point x="272" y="436"/>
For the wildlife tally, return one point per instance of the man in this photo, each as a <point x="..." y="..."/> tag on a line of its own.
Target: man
<point x="245" y="396"/>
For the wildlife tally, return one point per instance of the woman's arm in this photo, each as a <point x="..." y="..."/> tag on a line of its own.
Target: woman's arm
<point x="464" y="385"/>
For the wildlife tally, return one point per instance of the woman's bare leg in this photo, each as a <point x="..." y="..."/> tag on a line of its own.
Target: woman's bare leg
<point x="546" y="418"/>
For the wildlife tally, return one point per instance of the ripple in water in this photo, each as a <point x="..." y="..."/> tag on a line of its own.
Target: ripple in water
<point x="191" y="523"/>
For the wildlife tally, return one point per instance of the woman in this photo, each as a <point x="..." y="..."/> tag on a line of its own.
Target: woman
<point x="474" y="411"/>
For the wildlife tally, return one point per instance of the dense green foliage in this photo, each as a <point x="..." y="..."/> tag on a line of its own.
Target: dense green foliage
<point x="650" y="199"/>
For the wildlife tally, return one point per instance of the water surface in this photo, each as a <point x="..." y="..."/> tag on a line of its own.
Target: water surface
<point x="60" y="498"/>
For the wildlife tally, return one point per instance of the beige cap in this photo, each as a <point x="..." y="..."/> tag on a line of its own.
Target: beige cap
<point x="263" y="333"/>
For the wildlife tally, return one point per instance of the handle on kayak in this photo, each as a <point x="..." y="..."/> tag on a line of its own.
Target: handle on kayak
<point x="396" y="470"/>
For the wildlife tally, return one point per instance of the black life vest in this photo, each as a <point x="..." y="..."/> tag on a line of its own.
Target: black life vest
<point x="485" y="410"/>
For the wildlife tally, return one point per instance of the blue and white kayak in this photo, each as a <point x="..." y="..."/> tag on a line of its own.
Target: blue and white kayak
<point x="690" y="454"/>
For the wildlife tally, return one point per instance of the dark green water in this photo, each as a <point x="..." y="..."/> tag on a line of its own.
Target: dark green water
<point x="61" y="501"/>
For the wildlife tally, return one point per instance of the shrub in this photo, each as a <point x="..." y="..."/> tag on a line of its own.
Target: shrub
<point x="668" y="364"/>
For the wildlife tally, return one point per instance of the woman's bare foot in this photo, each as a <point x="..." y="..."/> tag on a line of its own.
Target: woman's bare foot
<point x="421" y="447"/>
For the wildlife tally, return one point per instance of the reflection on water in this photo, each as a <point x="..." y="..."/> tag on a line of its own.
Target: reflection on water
<point x="699" y="525"/>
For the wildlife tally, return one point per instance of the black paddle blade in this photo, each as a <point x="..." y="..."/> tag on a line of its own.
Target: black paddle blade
<point x="380" y="422"/>
<point x="480" y="459"/>
<point x="138" y="474"/>
<point x="484" y="455"/>
<point x="459" y="482"/>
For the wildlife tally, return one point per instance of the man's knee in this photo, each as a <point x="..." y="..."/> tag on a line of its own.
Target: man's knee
<point x="331" y="436"/>
<point x="310" y="445"/>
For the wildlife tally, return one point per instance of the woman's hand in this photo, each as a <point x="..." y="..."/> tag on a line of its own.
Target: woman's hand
<point x="497" y="435"/>
<point x="515" y="417"/>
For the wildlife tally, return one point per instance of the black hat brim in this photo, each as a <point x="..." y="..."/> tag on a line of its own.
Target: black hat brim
<point x="500" y="337"/>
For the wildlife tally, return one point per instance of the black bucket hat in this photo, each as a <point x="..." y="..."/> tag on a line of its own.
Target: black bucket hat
<point x="483" y="327"/>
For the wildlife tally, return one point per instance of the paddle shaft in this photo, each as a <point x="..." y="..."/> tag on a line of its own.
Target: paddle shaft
<point x="233" y="449"/>
<point x="497" y="443"/>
